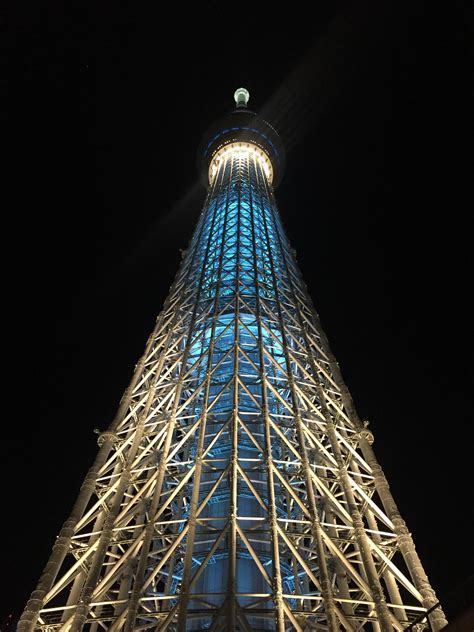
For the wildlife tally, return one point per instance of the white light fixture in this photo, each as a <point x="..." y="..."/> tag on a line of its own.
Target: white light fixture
<point x="241" y="151"/>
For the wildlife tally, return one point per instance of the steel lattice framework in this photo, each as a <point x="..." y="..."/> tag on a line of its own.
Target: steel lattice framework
<point x="236" y="488"/>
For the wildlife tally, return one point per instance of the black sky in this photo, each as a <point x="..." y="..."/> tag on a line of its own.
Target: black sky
<point x="107" y="106"/>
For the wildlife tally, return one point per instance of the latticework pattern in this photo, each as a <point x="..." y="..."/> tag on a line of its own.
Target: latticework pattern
<point x="236" y="488"/>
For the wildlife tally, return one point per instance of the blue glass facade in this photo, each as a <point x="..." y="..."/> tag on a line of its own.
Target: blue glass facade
<point x="238" y="263"/>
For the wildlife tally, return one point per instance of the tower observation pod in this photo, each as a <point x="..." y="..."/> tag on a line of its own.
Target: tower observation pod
<point x="236" y="487"/>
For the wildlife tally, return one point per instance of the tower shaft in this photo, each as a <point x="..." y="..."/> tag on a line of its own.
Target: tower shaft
<point x="236" y="488"/>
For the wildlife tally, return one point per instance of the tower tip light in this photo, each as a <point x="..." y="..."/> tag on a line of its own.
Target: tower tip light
<point x="241" y="96"/>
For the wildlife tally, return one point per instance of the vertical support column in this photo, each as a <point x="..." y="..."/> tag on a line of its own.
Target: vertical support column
<point x="390" y="582"/>
<point x="150" y="528"/>
<point x="383" y="612"/>
<point x="61" y="547"/>
<point x="340" y="571"/>
<point x="276" y="571"/>
<point x="407" y="546"/>
<point x="234" y="432"/>
<point x="29" y="617"/>
<point x="182" y="615"/>
<point x="82" y="608"/>
<point x="326" y="588"/>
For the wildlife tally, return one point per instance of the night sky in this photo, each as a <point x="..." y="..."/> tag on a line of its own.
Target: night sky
<point x="107" y="106"/>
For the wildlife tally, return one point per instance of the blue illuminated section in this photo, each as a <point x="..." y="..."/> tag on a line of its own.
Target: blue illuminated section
<point x="238" y="259"/>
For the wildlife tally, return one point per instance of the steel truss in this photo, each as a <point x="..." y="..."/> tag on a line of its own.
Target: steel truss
<point x="236" y="488"/>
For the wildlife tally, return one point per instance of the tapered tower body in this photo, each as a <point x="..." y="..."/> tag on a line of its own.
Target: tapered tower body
<point x="236" y="488"/>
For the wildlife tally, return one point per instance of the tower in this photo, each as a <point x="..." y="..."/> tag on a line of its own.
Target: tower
<point x="236" y="488"/>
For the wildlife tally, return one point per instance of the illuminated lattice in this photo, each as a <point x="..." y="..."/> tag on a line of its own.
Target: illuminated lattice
<point x="237" y="488"/>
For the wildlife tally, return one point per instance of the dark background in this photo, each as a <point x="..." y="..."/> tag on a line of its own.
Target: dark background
<point x="107" y="106"/>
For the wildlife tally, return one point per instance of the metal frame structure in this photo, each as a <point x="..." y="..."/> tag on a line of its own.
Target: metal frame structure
<point x="236" y="488"/>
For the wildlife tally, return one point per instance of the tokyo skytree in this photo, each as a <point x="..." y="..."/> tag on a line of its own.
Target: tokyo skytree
<point x="236" y="487"/>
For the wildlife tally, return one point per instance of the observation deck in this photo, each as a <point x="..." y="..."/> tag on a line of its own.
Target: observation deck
<point x="242" y="130"/>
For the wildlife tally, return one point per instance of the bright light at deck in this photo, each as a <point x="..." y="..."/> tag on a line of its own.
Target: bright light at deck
<point x="241" y="151"/>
